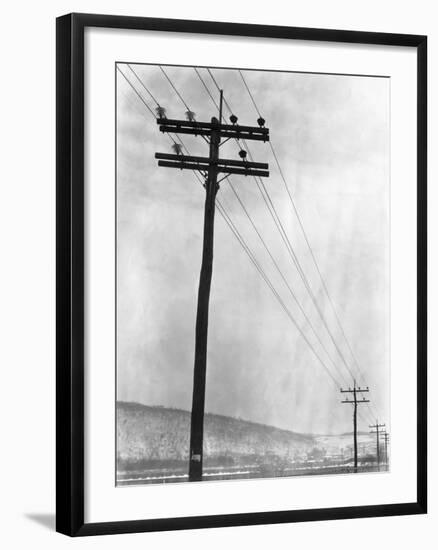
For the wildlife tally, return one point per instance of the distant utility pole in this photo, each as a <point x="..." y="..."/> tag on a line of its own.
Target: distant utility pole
<point x="210" y="167"/>
<point x="377" y="431"/>
<point x="385" y="436"/>
<point x="355" y="401"/>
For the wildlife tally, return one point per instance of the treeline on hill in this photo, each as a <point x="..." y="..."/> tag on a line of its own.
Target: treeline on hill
<point x="157" y="437"/>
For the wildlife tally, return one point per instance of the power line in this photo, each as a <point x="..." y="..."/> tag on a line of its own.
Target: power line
<point x="206" y="88"/>
<point x="275" y="217"/>
<point x="136" y="92"/>
<point x="291" y="252"/>
<point x="174" y="87"/>
<point x="268" y="282"/>
<point x="214" y="166"/>
<point x="281" y="302"/>
<point x="289" y="247"/>
<point x="216" y="132"/>
<point x="170" y="137"/>
<point x="304" y="278"/>
<point x="305" y="236"/>
<point x="338" y="321"/>
<point x="247" y="249"/>
<point x="283" y="277"/>
<point x="257" y="231"/>
<point x="143" y="85"/>
<point x="250" y="94"/>
<point x="284" y="236"/>
<point x="189" y="111"/>
<point x="217" y="86"/>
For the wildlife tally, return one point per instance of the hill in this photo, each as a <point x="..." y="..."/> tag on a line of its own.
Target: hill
<point x="157" y="435"/>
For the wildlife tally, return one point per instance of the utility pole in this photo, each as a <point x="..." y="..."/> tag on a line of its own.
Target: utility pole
<point x="216" y="134"/>
<point x="385" y="435"/>
<point x="377" y="431"/>
<point x="355" y="401"/>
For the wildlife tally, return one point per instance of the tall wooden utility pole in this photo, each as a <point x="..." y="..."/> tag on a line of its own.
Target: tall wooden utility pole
<point x="210" y="167"/>
<point x="355" y="401"/>
<point x="377" y="431"/>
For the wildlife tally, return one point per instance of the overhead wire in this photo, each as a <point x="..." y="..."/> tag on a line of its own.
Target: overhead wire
<point x="289" y="247"/>
<point x="143" y="85"/>
<point x="291" y="292"/>
<point x="283" y="234"/>
<point x="297" y="214"/>
<point x="281" y="229"/>
<point x="315" y="262"/>
<point x="240" y="239"/>
<point x="206" y="88"/>
<point x="174" y="87"/>
<point x="263" y="241"/>
<point x="254" y="261"/>
<point x="312" y="254"/>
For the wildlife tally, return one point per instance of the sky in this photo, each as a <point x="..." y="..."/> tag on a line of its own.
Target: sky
<point x="331" y="137"/>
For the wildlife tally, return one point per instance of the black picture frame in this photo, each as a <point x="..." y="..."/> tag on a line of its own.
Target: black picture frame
<point x="70" y="273"/>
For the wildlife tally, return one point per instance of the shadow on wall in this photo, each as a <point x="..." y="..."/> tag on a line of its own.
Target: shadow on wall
<point x="46" y="520"/>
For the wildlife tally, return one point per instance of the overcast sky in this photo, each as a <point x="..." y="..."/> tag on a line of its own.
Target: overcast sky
<point x="331" y="135"/>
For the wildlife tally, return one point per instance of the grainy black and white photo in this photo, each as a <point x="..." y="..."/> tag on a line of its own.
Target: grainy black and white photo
<point x="252" y="262"/>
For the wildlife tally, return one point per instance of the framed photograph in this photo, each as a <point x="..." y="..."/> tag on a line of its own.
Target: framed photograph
<point x="241" y="274"/>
